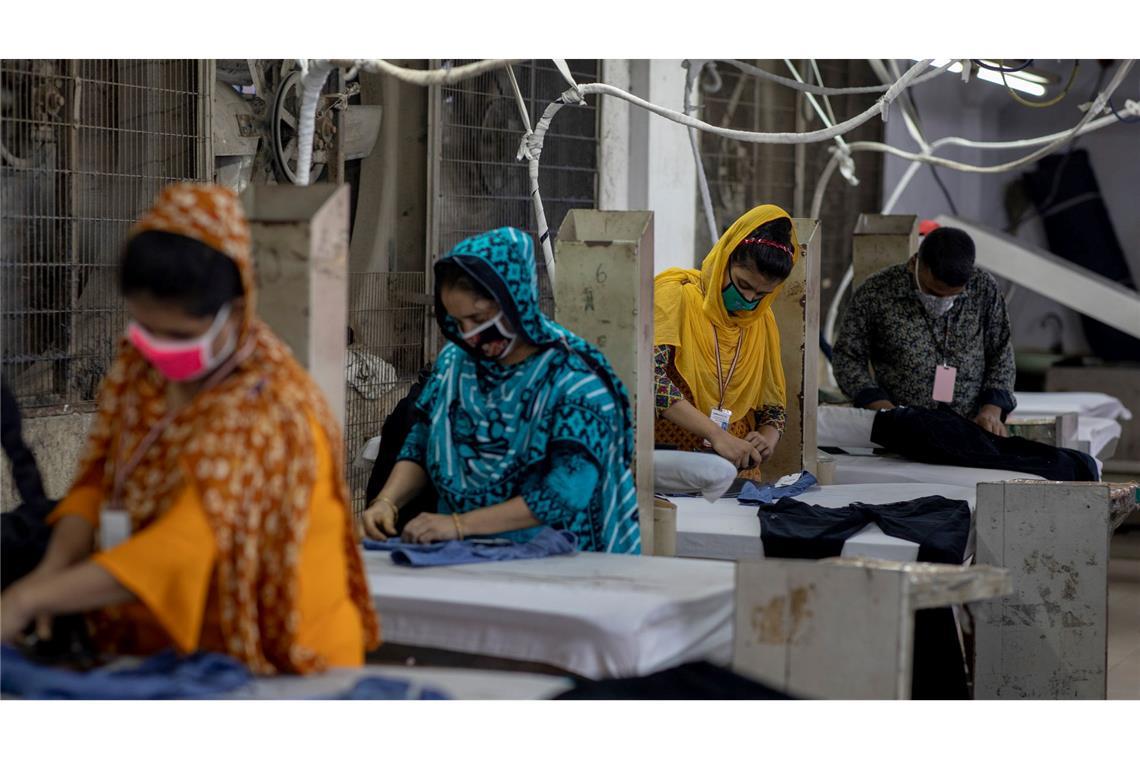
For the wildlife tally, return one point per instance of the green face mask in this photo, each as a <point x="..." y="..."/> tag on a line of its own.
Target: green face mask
<point x="734" y="301"/>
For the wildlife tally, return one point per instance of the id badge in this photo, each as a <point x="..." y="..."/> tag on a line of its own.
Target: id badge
<point x="720" y="418"/>
<point x="114" y="528"/>
<point x="944" y="377"/>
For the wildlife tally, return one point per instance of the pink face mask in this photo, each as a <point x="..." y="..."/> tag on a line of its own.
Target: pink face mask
<point x="184" y="360"/>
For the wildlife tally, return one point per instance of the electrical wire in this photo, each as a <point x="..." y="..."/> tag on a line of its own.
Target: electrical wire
<point x="983" y="65"/>
<point x="933" y="169"/>
<point x="1044" y="103"/>
<point x="1122" y="119"/>
<point x="882" y="106"/>
<point x="1085" y="126"/>
<point x="421" y="77"/>
<point x="748" y="68"/>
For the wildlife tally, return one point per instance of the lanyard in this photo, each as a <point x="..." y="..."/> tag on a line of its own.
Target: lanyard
<point x="723" y="382"/>
<point x="122" y="473"/>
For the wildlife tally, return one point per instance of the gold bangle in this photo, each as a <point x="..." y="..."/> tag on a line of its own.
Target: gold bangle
<point x="458" y="525"/>
<point x="385" y="500"/>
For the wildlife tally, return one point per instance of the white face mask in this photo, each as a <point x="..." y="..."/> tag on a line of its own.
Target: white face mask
<point x="494" y="331"/>
<point x="936" y="305"/>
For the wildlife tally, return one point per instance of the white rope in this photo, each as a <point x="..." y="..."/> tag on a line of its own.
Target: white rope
<point x="1051" y="143"/>
<point x="778" y="138"/>
<point x="692" y="80"/>
<point x="532" y="174"/>
<point x="846" y="167"/>
<point x="313" y="76"/>
<point x="748" y="68"/>
<point x="423" y="78"/>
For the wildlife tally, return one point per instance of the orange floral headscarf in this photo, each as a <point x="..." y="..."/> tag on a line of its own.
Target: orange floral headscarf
<point x="245" y="445"/>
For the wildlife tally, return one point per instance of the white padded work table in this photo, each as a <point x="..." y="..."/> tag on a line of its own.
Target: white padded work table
<point x="457" y="683"/>
<point x="851" y="469"/>
<point x="729" y="530"/>
<point x="597" y="615"/>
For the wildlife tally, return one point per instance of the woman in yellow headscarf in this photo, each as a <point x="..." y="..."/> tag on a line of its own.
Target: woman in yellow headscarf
<point x="213" y="481"/>
<point x="719" y="379"/>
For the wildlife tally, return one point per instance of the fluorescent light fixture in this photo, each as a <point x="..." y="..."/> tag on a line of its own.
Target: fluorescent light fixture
<point x="1017" y="80"/>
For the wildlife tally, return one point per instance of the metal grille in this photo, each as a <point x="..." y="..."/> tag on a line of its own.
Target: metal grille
<point x="479" y="185"/>
<point x="742" y="175"/>
<point x="387" y="317"/>
<point x="84" y="147"/>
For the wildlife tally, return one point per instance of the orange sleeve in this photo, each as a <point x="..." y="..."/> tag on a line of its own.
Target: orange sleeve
<point x="83" y="500"/>
<point x="169" y="566"/>
<point x="330" y="623"/>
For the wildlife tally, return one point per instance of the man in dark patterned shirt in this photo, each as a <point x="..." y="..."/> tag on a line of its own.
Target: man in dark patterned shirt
<point x="932" y="330"/>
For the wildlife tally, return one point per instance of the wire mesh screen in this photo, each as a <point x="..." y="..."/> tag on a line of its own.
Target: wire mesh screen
<point x="387" y="318"/>
<point x="84" y="147"/>
<point x="482" y="185"/>
<point x="742" y="175"/>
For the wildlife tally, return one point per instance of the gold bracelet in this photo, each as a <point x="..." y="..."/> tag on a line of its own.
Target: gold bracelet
<point x="458" y="526"/>
<point x="384" y="499"/>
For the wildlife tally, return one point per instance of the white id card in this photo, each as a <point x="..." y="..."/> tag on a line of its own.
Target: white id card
<point x="720" y="417"/>
<point x="944" y="377"/>
<point x="114" y="528"/>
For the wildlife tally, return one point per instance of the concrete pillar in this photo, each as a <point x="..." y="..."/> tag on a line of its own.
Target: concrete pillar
<point x="645" y="161"/>
<point x="1049" y="639"/>
<point x="797" y="315"/>
<point x="300" y="251"/>
<point x="880" y="241"/>
<point x="604" y="293"/>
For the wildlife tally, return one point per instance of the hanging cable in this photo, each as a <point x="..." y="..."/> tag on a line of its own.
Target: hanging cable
<point x="1085" y="126"/>
<point x="756" y="71"/>
<point x="846" y="168"/>
<point x="913" y="102"/>
<point x="1001" y="68"/>
<point x="1122" y="119"/>
<point x="692" y="80"/>
<point x="881" y="107"/>
<point x="826" y="99"/>
<point x="424" y="78"/>
<point x="1044" y="103"/>
<point x="532" y="175"/>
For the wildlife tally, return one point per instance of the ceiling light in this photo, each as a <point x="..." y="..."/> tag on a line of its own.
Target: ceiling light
<point x="1017" y="80"/>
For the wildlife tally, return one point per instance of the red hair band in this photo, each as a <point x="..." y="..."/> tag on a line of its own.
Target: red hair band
<point x="780" y="246"/>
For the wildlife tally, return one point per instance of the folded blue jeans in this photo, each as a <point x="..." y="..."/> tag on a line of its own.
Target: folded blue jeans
<point x="547" y="543"/>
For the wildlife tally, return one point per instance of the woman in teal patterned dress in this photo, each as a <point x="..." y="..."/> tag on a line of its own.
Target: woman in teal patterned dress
<point x="522" y="423"/>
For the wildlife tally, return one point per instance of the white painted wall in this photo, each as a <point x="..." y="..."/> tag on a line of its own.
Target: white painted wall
<point x="646" y="161"/>
<point x="984" y="111"/>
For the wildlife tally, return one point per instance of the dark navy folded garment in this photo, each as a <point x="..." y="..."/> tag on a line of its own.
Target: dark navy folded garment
<point x="547" y="543"/>
<point x="164" y="676"/>
<point x="938" y="436"/>
<point x="769" y="493"/>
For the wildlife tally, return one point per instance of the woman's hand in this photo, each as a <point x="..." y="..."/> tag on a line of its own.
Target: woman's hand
<point x="15" y="614"/>
<point x="765" y="440"/>
<point x="741" y="452"/>
<point x="379" y="521"/>
<point x="427" y="528"/>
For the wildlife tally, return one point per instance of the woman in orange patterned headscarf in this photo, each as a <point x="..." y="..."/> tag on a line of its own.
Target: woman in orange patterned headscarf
<point x="214" y="472"/>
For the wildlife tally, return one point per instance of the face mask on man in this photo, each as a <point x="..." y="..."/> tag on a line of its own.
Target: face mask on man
<point x="184" y="361"/>
<point x="483" y="337"/>
<point x="937" y="306"/>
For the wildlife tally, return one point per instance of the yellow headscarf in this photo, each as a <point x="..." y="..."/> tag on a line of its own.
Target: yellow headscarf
<point x="688" y="305"/>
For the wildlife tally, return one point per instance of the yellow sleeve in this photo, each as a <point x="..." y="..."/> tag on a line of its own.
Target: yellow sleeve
<point x="169" y="566"/>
